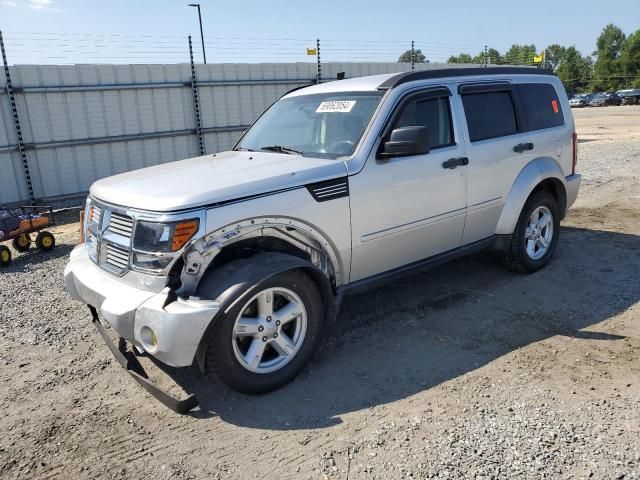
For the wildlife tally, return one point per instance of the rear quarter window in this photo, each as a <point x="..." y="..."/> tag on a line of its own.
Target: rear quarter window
<point x="541" y="105"/>
<point x="489" y="115"/>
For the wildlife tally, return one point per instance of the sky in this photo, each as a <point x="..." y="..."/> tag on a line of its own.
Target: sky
<point x="155" y="31"/>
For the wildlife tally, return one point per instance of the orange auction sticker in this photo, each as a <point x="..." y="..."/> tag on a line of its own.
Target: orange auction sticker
<point x="554" y="104"/>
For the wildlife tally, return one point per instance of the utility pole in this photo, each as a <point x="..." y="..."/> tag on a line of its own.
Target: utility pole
<point x="413" y="56"/>
<point x="486" y="57"/>
<point x="204" y="54"/>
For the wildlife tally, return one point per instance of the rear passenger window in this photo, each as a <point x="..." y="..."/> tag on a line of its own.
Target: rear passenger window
<point x="489" y="115"/>
<point x="541" y="105"/>
<point x="433" y="113"/>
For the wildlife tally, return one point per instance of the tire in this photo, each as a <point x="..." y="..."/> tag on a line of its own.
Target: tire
<point x="5" y="256"/>
<point x="45" y="241"/>
<point x="227" y="347"/>
<point x="22" y="242"/>
<point x="518" y="256"/>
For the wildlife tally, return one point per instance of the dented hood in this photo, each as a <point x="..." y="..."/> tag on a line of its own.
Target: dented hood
<point x="211" y="179"/>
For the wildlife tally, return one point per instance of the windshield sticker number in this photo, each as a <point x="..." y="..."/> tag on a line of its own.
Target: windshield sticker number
<point x="343" y="106"/>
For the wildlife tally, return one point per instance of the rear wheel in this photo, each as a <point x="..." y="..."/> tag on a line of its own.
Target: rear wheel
<point x="536" y="235"/>
<point x="22" y="242"/>
<point x="45" y="241"/>
<point x="5" y="256"/>
<point x="269" y="336"/>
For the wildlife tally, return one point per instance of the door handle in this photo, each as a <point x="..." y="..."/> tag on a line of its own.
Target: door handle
<point x="521" y="147"/>
<point x="455" y="162"/>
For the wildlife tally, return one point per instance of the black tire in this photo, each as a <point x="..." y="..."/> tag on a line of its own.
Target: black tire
<point x="516" y="257"/>
<point x="45" y="241"/>
<point x="220" y="358"/>
<point x="5" y="256"/>
<point x="22" y="242"/>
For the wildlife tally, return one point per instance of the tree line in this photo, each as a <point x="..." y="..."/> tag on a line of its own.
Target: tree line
<point x="614" y="65"/>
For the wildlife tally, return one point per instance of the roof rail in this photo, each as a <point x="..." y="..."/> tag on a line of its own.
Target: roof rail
<point x="405" y="77"/>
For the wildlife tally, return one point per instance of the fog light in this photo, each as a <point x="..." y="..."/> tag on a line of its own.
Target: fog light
<point x="149" y="339"/>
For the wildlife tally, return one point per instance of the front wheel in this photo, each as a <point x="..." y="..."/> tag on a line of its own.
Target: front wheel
<point x="536" y="235"/>
<point x="269" y="336"/>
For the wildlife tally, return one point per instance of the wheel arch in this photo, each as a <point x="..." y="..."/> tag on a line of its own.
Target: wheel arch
<point x="540" y="174"/>
<point x="236" y="280"/>
<point x="253" y="236"/>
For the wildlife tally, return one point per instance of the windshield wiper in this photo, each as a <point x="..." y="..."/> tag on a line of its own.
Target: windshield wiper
<point x="281" y="149"/>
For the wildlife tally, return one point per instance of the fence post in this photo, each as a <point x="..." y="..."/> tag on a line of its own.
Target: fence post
<point x="16" y="124"/>
<point x="196" y="102"/>
<point x="413" y="56"/>
<point x="319" y="74"/>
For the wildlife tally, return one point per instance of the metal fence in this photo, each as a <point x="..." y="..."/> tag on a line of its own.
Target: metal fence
<point x="85" y="122"/>
<point x="64" y="126"/>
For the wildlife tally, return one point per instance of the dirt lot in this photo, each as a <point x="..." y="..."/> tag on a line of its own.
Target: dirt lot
<point x="463" y="371"/>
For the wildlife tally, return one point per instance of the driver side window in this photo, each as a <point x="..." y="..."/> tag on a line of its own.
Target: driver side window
<point x="433" y="113"/>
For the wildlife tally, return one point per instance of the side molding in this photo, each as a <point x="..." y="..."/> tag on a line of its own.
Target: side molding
<point x="531" y="175"/>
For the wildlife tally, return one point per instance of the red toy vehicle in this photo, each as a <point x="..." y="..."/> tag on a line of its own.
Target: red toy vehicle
<point x="18" y="223"/>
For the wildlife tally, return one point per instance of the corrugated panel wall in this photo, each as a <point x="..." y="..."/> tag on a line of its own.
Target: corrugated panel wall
<point x="85" y="122"/>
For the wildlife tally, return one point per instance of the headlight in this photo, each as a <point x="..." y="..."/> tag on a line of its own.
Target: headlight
<point x="163" y="237"/>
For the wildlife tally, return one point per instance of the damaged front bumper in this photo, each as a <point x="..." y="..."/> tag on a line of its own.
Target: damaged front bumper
<point x="133" y="367"/>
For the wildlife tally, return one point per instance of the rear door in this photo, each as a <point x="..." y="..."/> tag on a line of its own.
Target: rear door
<point x="508" y="125"/>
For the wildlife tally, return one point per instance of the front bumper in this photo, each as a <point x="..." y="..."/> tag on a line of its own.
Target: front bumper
<point x="168" y="330"/>
<point x="133" y="367"/>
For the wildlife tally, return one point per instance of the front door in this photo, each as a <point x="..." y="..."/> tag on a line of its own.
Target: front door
<point x="405" y="209"/>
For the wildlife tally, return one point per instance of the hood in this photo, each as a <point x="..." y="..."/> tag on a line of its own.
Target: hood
<point x="213" y="178"/>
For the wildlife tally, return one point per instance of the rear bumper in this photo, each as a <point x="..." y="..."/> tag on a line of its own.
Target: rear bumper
<point x="168" y="330"/>
<point x="133" y="367"/>
<point x="573" y="187"/>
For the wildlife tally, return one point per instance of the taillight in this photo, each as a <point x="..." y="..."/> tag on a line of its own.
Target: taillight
<point x="575" y="153"/>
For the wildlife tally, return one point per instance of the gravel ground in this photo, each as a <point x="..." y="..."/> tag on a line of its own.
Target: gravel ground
<point x="465" y="371"/>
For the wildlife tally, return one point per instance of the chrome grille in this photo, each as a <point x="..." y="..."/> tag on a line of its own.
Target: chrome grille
<point x="120" y="224"/>
<point x="117" y="257"/>
<point x="96" y="213"/>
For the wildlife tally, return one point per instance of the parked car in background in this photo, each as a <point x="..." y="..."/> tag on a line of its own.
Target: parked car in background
<point x="631" y="97"/>
<point x="604" y="99"/>
<point x="581" y="100"/>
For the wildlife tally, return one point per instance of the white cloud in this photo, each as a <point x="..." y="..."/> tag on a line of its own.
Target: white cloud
<point x="40" y="4"/>
<point x="9" y="3"/>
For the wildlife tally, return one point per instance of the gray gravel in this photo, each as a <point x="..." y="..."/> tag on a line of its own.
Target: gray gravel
<point x="466" y="371"/>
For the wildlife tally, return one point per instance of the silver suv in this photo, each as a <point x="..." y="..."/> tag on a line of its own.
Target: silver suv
<point x="238" y="260"/>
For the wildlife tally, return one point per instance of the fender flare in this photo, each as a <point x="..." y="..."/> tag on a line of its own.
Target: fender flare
<point x="530" y="176"/>
<point x="230" y="283"/>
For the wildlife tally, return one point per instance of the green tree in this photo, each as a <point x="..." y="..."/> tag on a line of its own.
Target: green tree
<point x="462" y="58"/>
<point x="418" y="57"/>
<point x="553" y="56"/>
<point x="520" y="54"/>
<point x="608" y="69"/>
<point x="494" y="56"/>
<point x="630" y="60"/>
<point x="574" y="70"/>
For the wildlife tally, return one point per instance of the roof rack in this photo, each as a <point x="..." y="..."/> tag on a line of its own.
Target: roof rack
<point x="459" y="72"/>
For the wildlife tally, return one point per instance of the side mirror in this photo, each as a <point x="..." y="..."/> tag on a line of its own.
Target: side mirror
<point x="406" y="141"/>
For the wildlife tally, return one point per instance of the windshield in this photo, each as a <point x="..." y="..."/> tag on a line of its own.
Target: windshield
<point x="327" y="125"/>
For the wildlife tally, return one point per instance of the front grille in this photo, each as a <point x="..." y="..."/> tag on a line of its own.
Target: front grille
<point x="117" y="257"/>
<point x="120" y="224"/>
<point x="96" y="213"/>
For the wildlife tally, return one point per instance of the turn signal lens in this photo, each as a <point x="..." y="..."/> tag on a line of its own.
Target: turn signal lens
<point x="183" y="233"/>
